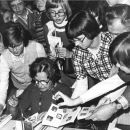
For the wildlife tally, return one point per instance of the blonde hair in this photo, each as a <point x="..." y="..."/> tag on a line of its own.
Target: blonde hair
<point x="55" y="3"/>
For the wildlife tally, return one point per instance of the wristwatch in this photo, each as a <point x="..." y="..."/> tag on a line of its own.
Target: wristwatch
<point x="118" y="104"/>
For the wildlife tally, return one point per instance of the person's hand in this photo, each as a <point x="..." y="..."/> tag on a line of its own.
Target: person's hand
<point x="1" y="109"/>
<point x="104" y="100"/>
<point x="13" y="101"/>
<point x="104" y="112"/>
<point x="62" y="52"/>
<point x="66" y="100"/>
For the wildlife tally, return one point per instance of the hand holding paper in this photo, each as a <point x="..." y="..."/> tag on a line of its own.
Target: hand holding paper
<point x="66" y="100"/>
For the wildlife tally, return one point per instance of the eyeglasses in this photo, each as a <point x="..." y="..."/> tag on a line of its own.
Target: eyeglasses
<point x="42" y="82"/>
<point x="60" y="13"/>
<point x="78" y="41"/>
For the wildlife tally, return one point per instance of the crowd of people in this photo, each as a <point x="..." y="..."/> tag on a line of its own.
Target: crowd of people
<point x="76" y="52"/>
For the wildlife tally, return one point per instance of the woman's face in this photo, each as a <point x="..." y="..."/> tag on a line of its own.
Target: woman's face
<point x="42" y="81"/>
<point x="16" y="48"/>
<point x="82" y="41"/>
<point x="41" y="4"/>
<point x="58" y="14"/>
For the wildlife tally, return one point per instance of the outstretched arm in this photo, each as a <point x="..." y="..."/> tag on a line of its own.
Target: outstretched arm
<point x="99" y="89"/>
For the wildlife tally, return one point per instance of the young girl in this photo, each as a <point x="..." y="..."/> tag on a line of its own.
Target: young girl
<point x="46" y="82"/>
<point x="59" y="11"/>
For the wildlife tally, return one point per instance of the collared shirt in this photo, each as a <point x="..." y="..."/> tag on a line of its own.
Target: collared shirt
<point x="98" y="66"/>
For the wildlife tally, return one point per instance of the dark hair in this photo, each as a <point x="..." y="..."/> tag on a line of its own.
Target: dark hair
<point x="120" y="50"/>
<point x="98" y="9"/>
<point x="45" y="65"/>
<point x="82" y="23"/>
<point x="14" y="33"/>
<point x="119" y="11"/>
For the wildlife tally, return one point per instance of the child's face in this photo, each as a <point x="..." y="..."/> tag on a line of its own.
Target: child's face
<point x="18" y="6"/>
<point x="82" y="41"/>
<point x="58" y="14"/>
<point x="41" y="4"/>
<point x="123" y="68"/>
<point x="16" y="48"/>
<point x="115" y="27"/>
<point x="42" y="81"/>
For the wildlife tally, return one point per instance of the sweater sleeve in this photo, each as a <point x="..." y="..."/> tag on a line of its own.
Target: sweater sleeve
<point x="4" y="79"/>
<point x="40" y="50"/>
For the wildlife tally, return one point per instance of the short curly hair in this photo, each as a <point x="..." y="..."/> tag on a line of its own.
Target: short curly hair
<point x="46" y="65"/>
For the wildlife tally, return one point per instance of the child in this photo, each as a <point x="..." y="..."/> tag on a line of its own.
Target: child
<point x="59" y="11"/>
<point x="46" y="82"/>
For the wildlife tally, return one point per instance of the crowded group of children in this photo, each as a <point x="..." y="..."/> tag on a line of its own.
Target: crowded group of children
<point x="53" y="49"/>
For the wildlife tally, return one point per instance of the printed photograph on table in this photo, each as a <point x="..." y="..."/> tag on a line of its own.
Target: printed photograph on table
<point x="54" y="108"/>
<point x="60" y="117"/>
<point x="49" y="118"/>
